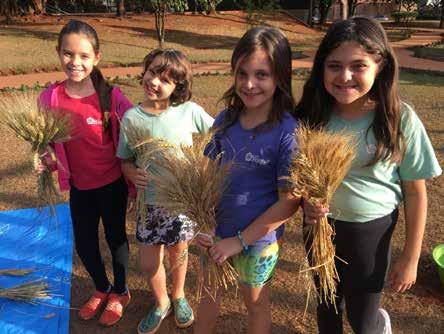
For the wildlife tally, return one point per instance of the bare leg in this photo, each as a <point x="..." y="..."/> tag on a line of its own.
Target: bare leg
<point x="151" y="263"/>
<point x="257" y="301"/>
<point x="178" y="262"/>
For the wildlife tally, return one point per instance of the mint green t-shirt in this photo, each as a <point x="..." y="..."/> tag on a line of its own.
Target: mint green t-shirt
<point x="175" y="125"/>
<point x="371" y="192"/>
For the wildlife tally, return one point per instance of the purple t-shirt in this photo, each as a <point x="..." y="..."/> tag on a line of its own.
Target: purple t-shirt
<point x="261" y="157"/>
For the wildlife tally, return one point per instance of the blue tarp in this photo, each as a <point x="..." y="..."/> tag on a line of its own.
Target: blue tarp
<point x="30" y="238"/>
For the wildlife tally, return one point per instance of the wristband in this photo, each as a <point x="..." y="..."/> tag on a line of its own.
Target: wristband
<point x="242" y="241"/>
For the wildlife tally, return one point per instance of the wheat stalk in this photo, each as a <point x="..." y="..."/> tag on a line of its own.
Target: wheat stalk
<point x="317" y="169"/>
<point x="147" y="150"/>
<point x="40" y="127"/>
<point x="189" y="183"/>
<point x="27" y="292"/>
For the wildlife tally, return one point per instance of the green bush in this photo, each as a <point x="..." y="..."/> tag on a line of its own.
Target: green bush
<point x="404" y="16"/>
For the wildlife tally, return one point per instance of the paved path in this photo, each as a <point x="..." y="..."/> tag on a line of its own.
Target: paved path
<point x="405" y="58"/>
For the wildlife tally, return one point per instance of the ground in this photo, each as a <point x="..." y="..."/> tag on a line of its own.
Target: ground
<point x="417" y="311"/>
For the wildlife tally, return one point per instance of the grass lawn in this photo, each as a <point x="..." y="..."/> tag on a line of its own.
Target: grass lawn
<point x="418" y="311"/>
<point x="29" y="46"/>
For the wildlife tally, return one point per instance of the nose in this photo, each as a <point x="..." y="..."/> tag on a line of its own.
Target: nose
<point x="250" y="83"/>
<point x="346" y="74"/>
<point x="76" y="60"/>
<point x="155" y="81"/>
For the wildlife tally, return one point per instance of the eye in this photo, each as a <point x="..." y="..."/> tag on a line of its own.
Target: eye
<point x="85" y="56"/>
<point x="333" y="67"/>
<point x="241" y="73"/>
<point x="67" y="54"/>
<point x="359" y="66"/>
<point x="262" y="75"/>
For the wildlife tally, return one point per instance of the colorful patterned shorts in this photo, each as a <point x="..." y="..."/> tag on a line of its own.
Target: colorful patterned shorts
<point x="256" y="267"/>
<point x="158" y="227"/>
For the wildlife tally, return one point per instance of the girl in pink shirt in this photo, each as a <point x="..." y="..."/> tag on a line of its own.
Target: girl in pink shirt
<point x="87" y="166"/>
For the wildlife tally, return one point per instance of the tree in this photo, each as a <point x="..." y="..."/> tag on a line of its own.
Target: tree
<point x="121" y="8"/>
<point x="161" y="7"/>
<point x="324" y="7"/>
<point x="11" y="8"/>
<point x="209" y="5"/>
<point x="441" y="21"/>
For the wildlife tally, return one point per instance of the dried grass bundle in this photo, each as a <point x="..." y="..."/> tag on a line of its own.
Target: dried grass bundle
<point x="27" y="292"/>
<point x="147" y="150"/>
<point x="39" y="126"/>
<point x="191" y="184"/>
<point x="15" y="272"/>
<point x="316" y="171"/>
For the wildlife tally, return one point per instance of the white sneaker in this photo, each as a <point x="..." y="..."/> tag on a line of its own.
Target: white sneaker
<point x="384" y="320"/>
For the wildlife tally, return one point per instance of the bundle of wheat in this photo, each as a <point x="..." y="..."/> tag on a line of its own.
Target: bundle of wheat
<point x="147" y="151"/>
<point x="15" y="272"/>
<point x="189" y="183"/>
<point x="321" y="163"/>
<point x="27" y="292"/>
<point x="39" y="126"/>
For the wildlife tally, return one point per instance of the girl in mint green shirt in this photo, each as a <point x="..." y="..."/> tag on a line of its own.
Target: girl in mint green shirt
<point x="167" y="113"/>
<point x="353" y="87"/>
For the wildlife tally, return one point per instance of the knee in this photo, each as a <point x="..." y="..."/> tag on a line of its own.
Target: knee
<point x="149" y="268"/>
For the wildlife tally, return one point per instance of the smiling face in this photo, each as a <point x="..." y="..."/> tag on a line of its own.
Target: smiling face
<point x="256" y="83"/>
<point x="77" y="57"/>
<point x="349" y="73"/>
<point x="158" y="87"/>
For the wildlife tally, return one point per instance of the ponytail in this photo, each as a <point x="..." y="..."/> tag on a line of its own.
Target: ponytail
<point x="103" y="90"/>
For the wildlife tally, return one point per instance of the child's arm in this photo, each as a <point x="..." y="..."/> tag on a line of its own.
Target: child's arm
<point x="270" y="220"/>
<point x="403" y="273"/>
<point x="136" y="175"/>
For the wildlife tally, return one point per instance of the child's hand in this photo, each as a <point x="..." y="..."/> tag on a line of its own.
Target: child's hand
<point x="204" y="241"/>
<point x="225" y="248"/>
<point x="314" y="212"/>
<point x="403" y="274"/>
<point x="43" y="163"/>
<point x="139" y="177"/>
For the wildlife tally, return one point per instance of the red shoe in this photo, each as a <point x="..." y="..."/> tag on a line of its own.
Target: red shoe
<point x="114" y="309"/>
<point x="93" y="305"/>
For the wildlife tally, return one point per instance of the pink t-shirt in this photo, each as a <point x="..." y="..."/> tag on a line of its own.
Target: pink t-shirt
<point x="90" y="152"/>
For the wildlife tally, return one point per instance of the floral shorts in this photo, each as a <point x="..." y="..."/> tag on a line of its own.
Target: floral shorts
<point x="158" y="227"/>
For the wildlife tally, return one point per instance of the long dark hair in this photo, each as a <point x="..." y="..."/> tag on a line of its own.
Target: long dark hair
<point x="274" y="43"/>
<point x="316" y="104"/>
<point x="175" y="66"/>
<point x="102" y="87"/>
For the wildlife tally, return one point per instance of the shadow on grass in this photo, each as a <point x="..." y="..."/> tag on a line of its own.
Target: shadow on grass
<point x="29" y="32"/>
<point x="189" y="39"/>
<point x="16" y="170"/>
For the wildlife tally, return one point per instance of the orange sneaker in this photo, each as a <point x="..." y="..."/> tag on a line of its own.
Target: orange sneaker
<point x="93" y="305"/>
<point x="114" y="309"/>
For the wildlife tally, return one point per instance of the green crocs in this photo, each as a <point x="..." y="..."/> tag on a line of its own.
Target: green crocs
<point x="151" y="323"/>
<point x="183" y="314"/>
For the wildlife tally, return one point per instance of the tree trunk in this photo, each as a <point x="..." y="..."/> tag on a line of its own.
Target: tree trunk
<point x="212" y="9"/>
<point x="323" y="11"/>
<point x="343" y="6"/>
<point x="441" y="22"/>
<point x="121" y="8"/>
<point x="159" y="15"/>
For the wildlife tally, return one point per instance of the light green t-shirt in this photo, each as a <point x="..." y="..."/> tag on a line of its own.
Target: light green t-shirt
<point x="371" y="192"/>
<point x="175" y="125"/>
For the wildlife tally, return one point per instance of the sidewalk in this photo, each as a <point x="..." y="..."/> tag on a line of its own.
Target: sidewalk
<point x="405" y="59"/>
